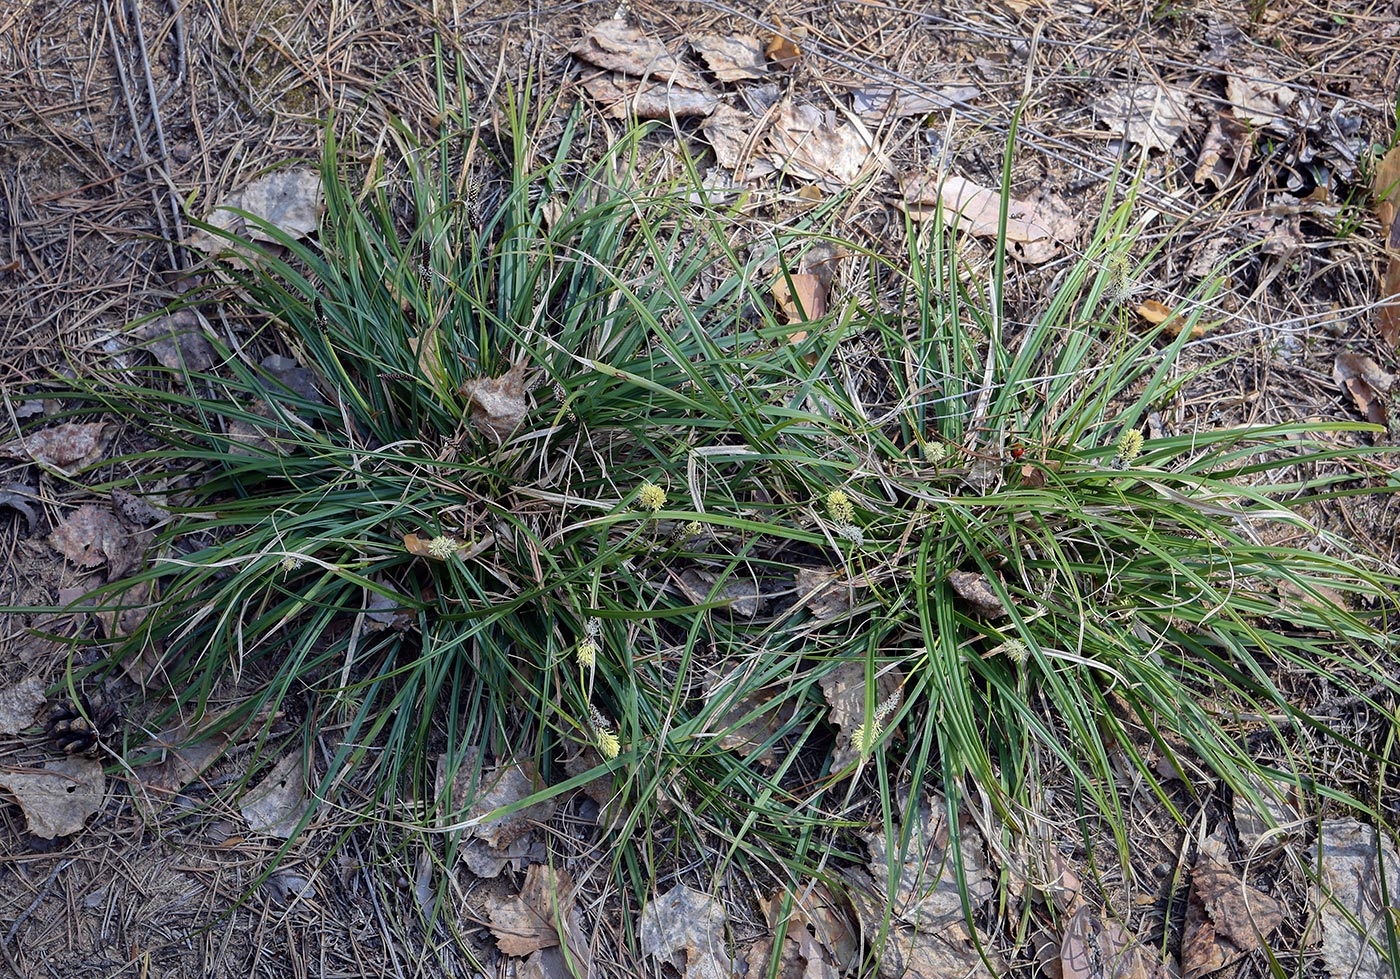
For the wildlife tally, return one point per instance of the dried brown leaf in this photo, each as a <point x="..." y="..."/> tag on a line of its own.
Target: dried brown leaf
<point x="1389" y="310"/>
<point x="1226" y="918"/>
<point x="921" y="955"/>
<point x="91" y="536"/>
<point x="1367" y="384"/>
<point x="253" y="438"/>
<point x="552" y="963"/>
<point x="1386" y="189"/>
<point x="924" y="953"/>
<point x="1225" y="151"/>
<point x="19" y="702"/>
<point x="58" y="798"/>
<point x="618" y="46"/>
<point x="1045" y="952"/>
<point x="881" y="102"/>
<point x="177" y="341"/>
<point x="927" y="892"/>
<point x="1385" y="186"/>
<point x="801" y="296"/>
<point x="487" y="862"/>
<point x="1098" y="947"/>
<point x="976" y="589"/>
<point x="498" y="404"/>
<point x="611" y="805"/>
<point x="289" y="200"/>
<point x="730" y="132"/>
<point x="122" y="620"/>
<point x="809" y="144"/>
<point x="135" y="511"/>
<point x="1036" y="228"/>
<point x="1171" y="322"/>
<point x="437" y="548"/>
<point x="731" y="57"/>
<point x="503" y="785"/>
<point x="783" y="51"/>
<point x="1258" y="100"/>
<point x="20" y="498"/>
<point x="65" y="448"/>
<point x="747" y="722"/>
<point x="184" y="757"/>
<point x="685" y="928"/>
<point x="385" y="612"/>
<point x="531" y="921"/>
<point x="287" y="372"/>
<point x="824" y="591"/>
<point x="820" y="924"/>
<point x="426" y="351"/>
<point x="1062" y="888"/>
<point x="278" y="803"/>
<point x="622" y="98"/>
<point x="701" y="587"/>
<point x="791" y="962"/>
<point x="1148" y="114"/>
<point x="1154" y="312"/>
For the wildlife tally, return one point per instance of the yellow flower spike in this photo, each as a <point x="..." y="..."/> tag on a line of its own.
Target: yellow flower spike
<point x="607" y="741"/>
<point x="442" y="548"/>
<point x="687" y="531"/>
<point x="838" y="506"/>
<point x="587" y="653"/>
<point x="1129" y="445"/>
<point x="863" y="738"/>
<point x="651" y="497"/>
<point x="290" y="563"/>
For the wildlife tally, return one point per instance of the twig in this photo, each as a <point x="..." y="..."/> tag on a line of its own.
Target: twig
<point x="61" y="866"/>
<point x="160" y="128"/>
<point x="136" y="128"/>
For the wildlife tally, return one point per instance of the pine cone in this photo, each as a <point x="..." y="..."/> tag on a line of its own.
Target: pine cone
<point x="80" y="728"/>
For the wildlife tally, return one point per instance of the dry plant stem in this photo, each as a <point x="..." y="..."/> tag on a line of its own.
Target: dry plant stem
<point x="167" y="231"/>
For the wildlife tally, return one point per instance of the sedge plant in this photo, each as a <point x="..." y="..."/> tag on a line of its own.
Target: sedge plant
<point x="559" y="470"/>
